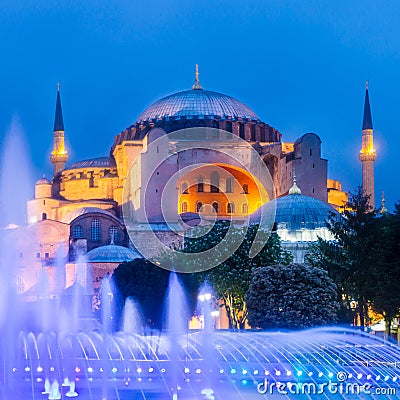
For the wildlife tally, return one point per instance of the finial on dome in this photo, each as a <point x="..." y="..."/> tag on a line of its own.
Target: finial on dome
<point x="294" y="189"/>
<point x="58" y="86"/>
<point x="197" y="85"/>
<point x="366" y="84"/>
<point x="383" y="209"/>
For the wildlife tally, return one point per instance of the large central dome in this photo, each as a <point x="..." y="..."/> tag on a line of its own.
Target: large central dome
<point x="198" y="103"/>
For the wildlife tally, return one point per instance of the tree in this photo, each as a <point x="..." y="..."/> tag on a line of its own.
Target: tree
<point x="386" y="274"/>
<point x="351" y="257"/>
<point x="231" y="279"/>
<point x="364" y="259"/>
<point x="148" y="284"/>
<point x="291" y="297"/>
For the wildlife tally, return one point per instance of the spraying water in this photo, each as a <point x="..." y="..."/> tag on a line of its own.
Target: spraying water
<point x="132" y="317"/>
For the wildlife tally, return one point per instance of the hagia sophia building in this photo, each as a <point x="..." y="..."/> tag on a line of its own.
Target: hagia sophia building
<point x="79" y="211"/>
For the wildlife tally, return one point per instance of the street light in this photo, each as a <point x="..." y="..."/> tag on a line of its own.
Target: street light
<point x="353" y="307"/>
<point x="204" y="297"/>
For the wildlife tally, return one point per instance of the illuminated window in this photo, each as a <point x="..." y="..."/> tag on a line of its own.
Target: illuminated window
<point x="215" y="206"/>
<point x="245" y="208"/>
<point x="246" y="188"/>
<point x="214" y="181"/>
<point x="184" y="188"/>
<point x="230" y="208"/>
<point x="77" y="232"/>
<point x="200" y="185"/>
<point x="199" y="204"/>
<point x="95" y="230"/>
<point x="113" y="234"/>
<point x="229" y="185"/>
<point x="184" y="207"/>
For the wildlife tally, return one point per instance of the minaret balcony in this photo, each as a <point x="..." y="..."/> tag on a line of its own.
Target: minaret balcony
<point x="367" y="156"/>
<point x="58" y="158"/>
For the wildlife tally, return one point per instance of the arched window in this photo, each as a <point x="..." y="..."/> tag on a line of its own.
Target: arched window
<point x="77" y="232"/>
<point x="229" y="185"/>
<point x="245" y="188"/>
<point x="215" y="206"/>
<point x="113" y="234"/>
<point x="184" y="207"/>
<point x="253" y="133"/>
<point x="230" y="207"/>
<point x="245" y="208"/>
<point x="95" y="230"/>
<point x="184" y="188"/>
<point x="199" y="204"/>
<point x="241" y="131"/>
<point x="262" y="139"/>
<point x="44" y="216"/>
<point x="214" y="182"/>
<point x="200" y="185"/>
<point x="228" y="126"/>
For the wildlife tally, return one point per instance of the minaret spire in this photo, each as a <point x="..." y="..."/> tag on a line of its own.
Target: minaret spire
<point x="197" y="85"/>
<point x="59" y="155"/>
<point x="383" y="209"/>
<point x="367" y="119"/>
<point x="367" y="153"/>
<point x="58" y="119"/>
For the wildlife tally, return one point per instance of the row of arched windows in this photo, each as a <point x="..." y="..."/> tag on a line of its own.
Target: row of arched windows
<point x="214" y="185"/>
<point x="230" y="207"/>
<point x="95" y="231"/>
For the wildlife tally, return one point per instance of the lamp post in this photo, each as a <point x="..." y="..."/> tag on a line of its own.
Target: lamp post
<point x="353" y="307"/>
<point x="214" y="316"/>
<point x="205" y="298"/>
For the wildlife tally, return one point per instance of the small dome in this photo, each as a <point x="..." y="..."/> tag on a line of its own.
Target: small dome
<point x="296" y="212"/>
<point x="198" y="103"/>
<point x="43" y="181"/>
<point x="111" y="254"/>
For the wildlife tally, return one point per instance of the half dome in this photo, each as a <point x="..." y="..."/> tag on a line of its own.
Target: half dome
<point x="200" y="104"/>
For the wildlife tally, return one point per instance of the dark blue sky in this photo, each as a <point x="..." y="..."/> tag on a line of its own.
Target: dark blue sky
<point x="300" y="65"/>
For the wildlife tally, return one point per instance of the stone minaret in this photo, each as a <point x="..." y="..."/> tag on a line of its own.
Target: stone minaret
<point x="367" y="153"/>
<point x="59" y="155"/>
